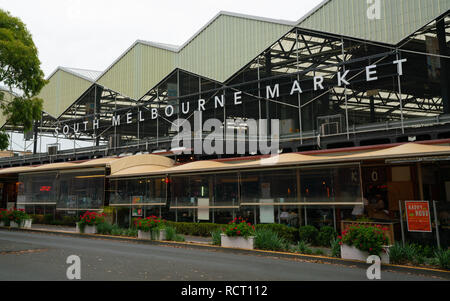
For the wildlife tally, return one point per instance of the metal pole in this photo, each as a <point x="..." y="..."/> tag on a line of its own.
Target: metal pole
<point x="401" y="221"/>
<point x="306" y="217"/>
<point x="345" y="89"/>
<point x="300" y="128"/>
<point x="334" y="217"/>
<point x="401" y="98"/>
<point x="436" y="222"/>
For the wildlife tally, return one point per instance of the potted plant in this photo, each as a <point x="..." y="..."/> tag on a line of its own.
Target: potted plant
<point x="18" y="218"/>
<point x="150" y="228"/>
<point x="89" y="221"/>
<point x="359" y="242"/>
<point x="238" y="234"/>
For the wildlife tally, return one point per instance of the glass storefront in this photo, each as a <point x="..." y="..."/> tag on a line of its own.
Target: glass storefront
<point x="138" y="197"/>
<point x="67" y="191"/>
<point x="205" y="198"/>
<point x="38" y="192"/>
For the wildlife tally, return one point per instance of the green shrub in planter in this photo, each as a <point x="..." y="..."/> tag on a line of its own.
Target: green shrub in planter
<point x="266" y="239"/>
<point x="308" y="234"/>
<point x="325" y="236"/>
<point x="290" y="234"/>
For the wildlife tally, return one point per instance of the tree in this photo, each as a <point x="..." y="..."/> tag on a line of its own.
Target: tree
<point x="20" y="68"/>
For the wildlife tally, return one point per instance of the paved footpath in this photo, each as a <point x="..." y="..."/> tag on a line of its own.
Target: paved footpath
<point x="39" y="256"/>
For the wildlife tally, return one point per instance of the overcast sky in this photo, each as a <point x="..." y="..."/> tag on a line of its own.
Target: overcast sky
<point x="91" y="34"/>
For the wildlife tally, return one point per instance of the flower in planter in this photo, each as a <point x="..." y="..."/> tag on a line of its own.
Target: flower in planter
<point x="17" y="216"/>
<point x="239" y="228"/>
<point x="92" y="219"/>
<point x="370" y="239"/>
<point x="149" y="223"/>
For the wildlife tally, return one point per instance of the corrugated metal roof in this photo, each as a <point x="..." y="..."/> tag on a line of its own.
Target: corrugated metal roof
<point x="63" y="89"/>
<point x="219" y="49"/>
<point x="399" y="18"/>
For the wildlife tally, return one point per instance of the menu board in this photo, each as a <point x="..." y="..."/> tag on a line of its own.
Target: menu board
<point x="418" y="216"/>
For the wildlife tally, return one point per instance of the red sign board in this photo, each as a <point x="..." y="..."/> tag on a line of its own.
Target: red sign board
<point x="418" y="216"/>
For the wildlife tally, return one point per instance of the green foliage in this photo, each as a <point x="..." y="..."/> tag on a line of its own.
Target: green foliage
<point x="290" y="234"/>
<point x="171" y="234"/>
<point x="216" y="238"/>
<point x="319" y="252"/>
<point x="412" y="253"/>
<point x="19" y="62"/>
<point x="19" y="68"/>
<point x="443" y="258"/>
<point x="23" y="111"/>
<point x="303" y="248"/>
<point x="308" y="234"/>
<point x="117" y="231"/>
<point x="370" y="239"/>
<point x="195" y="229"/>
<point x="325" y="236"/>
<point x="335" y="248"/>
<point x="4" y="140"/>
<point x="130" y="232"/>
<point x="104" y="228"/>
<point x="266" y="239"/>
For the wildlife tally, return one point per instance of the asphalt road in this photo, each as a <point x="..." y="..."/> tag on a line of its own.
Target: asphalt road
<point x="36" y="256"/>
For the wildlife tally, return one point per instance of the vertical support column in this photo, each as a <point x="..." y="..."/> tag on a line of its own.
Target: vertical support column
<point x="420" y="180"/>
<point x="268" y="74"/>
<point x="35" y="134"/>
<point x="436" y="222"/>
<point x="299" y="197"/>
<point x="298" y="94"/>
<point x="445" y="65"/>
<point x="345" y="90"/>
<point x="400" y="96"/>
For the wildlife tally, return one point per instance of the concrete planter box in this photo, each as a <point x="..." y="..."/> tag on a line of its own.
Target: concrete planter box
<point x="238" y="242"/>
<point x="13" y="224"/>
<point x="90" y="229"/>
<point x="152" y="235"/>
<point x="26" y="224"/>
<point x="351" y="252"/>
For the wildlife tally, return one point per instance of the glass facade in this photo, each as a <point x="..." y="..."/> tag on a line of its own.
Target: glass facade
<point x="205" y="197"/>
<point x="75" y="190"/>
<point x="138" y="197"/>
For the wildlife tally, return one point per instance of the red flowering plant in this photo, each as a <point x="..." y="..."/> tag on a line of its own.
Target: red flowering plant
<point x="149" y="223"/>
<point x="92" y="219"/>
<point x="17" y="216"/>
<point x="370" y="239"/>
<point x="239" y="227"/>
